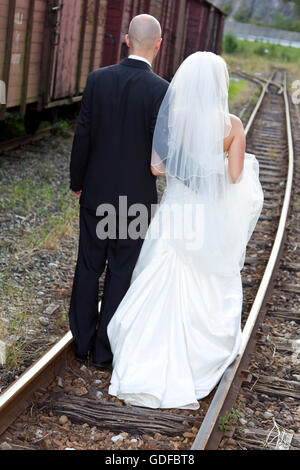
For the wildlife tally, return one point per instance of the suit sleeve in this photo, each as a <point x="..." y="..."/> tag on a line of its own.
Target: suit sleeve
<point x="81" y="142"/>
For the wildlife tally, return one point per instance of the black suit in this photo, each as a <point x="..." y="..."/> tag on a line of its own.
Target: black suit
<point x="111" y="157"/>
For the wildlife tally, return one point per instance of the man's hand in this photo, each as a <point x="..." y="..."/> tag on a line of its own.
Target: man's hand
<point x="77" y="194"/>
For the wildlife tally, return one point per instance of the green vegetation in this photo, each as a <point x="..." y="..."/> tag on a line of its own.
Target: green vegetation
<point x="230" y="418"/>
<point x="271" y="52"/>
<point x="236" y="88"/>
<point x="37" y="196"/>
<point x="280" y="22"/>
<point x="38" y="240"/>
<point x="15" y="353"/>
<point x="62" y="127"/>
<point x="242" y="15"/>
<point x="227" y="7"/>
<point x="242" y="97"/>
<point x="230" y="44"/>
<point x="49" y="220"/>
<point x="296" y="2"/>
<point x="12" y="126"/>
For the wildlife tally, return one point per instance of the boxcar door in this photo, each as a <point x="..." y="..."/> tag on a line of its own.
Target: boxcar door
<point x="197" y="22"/>
<point x="112" y="37"/>
<point x="65" y="48"/>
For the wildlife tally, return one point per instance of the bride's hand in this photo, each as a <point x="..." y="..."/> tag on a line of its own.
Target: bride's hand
<point x="157" y="166"/>
<point x="77" y="194"/>
<point x="155" y="172"/>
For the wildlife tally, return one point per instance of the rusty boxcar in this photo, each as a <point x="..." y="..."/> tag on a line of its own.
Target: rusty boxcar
<point x="48" y="47"/>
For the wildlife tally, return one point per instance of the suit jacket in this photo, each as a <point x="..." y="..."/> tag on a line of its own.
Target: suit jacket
<point x="111" y="152"/>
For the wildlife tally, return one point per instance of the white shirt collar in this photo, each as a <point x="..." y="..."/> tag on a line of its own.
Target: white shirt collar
<point x="138" y="57"/>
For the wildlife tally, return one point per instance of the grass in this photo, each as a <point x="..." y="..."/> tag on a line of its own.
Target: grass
<point x="54" y="233"/>
<point x="236" y="88"/>
<point x="260" y="57"/>
<point x="37" y="243"/>
<point x="28" y="193"/>
<point x="50" y="220"/>
<point x="3" y="329"/>
<point x="12" y="350"/>
<point x="242" y="97"/>
<point x="252" y="58"/>
<point x="271" y="52"/>
<point x="30" y="196"/>
<point x="48" y="217"/>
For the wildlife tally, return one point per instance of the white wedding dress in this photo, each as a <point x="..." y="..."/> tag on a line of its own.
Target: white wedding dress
<point x="179" y="325"/>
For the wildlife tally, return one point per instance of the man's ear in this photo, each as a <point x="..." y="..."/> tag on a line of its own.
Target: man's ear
<point x="158" y="44"/>
<point x="127" y="40"/>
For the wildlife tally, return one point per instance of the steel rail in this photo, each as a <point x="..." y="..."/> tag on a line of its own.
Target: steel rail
<point x="209" y="434"/>
<point x="17" y="397"/>
<point x="19" y="141"/>
<point x="26" y="139"/>
<point x="258" y="105"/>
<point x="255" y="79"/>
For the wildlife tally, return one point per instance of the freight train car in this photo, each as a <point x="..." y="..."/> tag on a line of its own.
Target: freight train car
<point x="48" y="47"/>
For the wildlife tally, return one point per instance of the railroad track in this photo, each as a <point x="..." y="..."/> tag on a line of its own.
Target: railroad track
<point x="26" y="139"/>
<point x="270" y="139"/>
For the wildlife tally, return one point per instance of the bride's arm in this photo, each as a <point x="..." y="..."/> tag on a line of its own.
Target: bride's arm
<point x="236" y="151"/>
<point x="157" y="168"/>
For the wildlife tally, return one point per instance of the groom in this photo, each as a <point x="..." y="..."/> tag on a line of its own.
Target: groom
<point x="111" y="157"/>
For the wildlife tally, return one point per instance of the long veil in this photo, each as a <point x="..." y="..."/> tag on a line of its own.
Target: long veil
<point x="192" y="123"/>
<point x="200" y="205"/>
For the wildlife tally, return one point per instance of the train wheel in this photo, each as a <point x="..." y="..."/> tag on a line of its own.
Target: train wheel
<point x="32" y="120"/>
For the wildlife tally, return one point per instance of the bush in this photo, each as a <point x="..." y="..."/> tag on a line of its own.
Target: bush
<point x="296" y="26"/>
<point x="297" y="6"/>
<point x="242" y="15"/>
<point x="281" y="23"/>
<point x="273" y="51"/>
<point x="230" y="44"/>
<point x="285" y="23"/>
<point x="260" y="50"/>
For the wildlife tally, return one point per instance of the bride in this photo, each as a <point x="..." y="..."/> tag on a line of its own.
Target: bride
<point x="179" y="325"/>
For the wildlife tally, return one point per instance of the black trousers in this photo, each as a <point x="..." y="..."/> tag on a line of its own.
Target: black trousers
<point x="119" y="256"/>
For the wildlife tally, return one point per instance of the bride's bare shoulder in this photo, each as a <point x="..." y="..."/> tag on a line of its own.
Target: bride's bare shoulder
<point x="237" y="125"/>
<point x="237" y="133"/>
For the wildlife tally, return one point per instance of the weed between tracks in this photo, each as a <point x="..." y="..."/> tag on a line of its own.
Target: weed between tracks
<point x="230" y="418"/>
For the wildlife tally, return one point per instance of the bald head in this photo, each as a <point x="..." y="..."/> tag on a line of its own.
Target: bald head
<point x="144" y="32"/>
